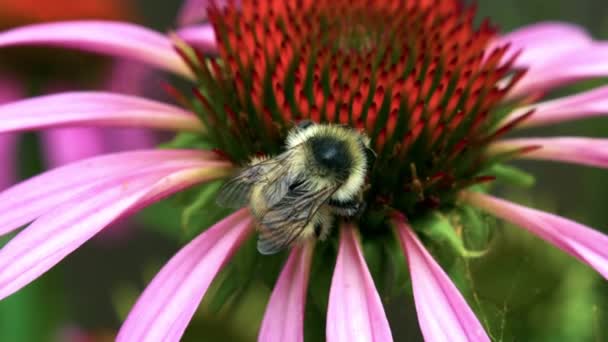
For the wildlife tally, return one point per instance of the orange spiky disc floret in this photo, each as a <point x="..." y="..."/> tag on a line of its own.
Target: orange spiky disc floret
<point x="415" y="76"/>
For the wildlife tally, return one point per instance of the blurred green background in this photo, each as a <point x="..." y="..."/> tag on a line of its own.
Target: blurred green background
<point x="523" y="289"/>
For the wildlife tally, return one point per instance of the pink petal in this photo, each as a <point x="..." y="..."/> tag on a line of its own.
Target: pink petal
<point x="123" y="139"/>
<point x="541" y="42"/>
<point x="165" y="308"/>
<point x="584" y="105"/>
<point x="112" y="38"/>
<point x="585" y="151"/>
<point x="583" y="243"/>
<point x="354" y="312"/>
<point x="201" y="37"/>
<point x="130" y="78"/>
<point x="65" y="145"/>
<point x="94" y="108"/>
<point x="9" y="91"/>
<point x="284" y="317"/>
<point x="443" y="314"/>
<point x="192" y="11"/>
<point x="8" y="162"/>
<point x="28" y="200"/>
<point x="65" y="228"/>
<point x="589" y="61"/>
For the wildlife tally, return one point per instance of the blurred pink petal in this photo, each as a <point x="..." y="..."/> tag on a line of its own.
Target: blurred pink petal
<point x="443" y="314"/>
<point x="201" y="37"/>
<point x="584" y="105"/>
<point x="583" y="243"/>
<point x="586" y="62"/>
<point x="130" y="78"/>
<point x="95" y="109"/>
<point x="542" y="42"/>
<point x="163" y="311"/>
<point x="585" y="151"/>
<point x="284" y="317"/>
<point x="8" y="162"/>
<point x="355" y="311"/>
<point x="124" y="139"/>
<point x="66" y="227"/>
<point x="65" y="145"/>
<point x="9" y="91"/>
<point x="193" y="11"/>
<point x="28" y="200"/>
<point x="107" y="37"/>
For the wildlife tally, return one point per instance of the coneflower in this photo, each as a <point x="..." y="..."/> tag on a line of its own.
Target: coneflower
<point x="434" y="93"/>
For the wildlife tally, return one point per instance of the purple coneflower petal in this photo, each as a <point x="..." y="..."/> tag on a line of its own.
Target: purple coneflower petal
<point x="129" y="78"/>
<point x="192" y="11"/>
<point x="124" y="139"/>
<point x="541" y="42"/>
<point x="443" y="314"/>
<point x="59" y="145"/>
<point x="584" y="243"/>
<point x="8" y="162"/>
<point x="28" y="200"/>
<point x="284" y="317"/>
<point x="9" y="91"/>
<point x="95" y="109"/>
<point x="201" y="37"/>
<point x="587" y="104"/>
<point x="164" y="309"/>
<point x="62" y="230"/>
<point x="586" y="62"/>
<point x="106" y="37"/>
<point x="355" y="311"/>
<point x="585" y="151"/>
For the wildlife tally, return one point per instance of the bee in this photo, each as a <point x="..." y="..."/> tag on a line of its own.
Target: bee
<point x="297" y="194"/>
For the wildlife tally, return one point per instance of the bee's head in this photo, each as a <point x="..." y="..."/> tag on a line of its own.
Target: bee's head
<point x="332" y="155"/>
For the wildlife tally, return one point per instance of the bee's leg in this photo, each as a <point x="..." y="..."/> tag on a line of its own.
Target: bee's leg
<point x="347" y="208"/>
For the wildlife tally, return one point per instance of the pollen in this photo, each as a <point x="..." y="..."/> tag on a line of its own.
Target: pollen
<point x="415" y="76"/>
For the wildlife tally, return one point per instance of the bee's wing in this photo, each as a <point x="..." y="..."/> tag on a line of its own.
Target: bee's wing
<point x="284" y="222"/>
<point x="235" y="192"/>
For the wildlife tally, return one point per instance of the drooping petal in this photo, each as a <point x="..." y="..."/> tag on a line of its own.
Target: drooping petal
<point x="355" y="311"/>
<point x="201" y="37"/>
<point x="62" y="230"/>
<point x="9" y="91"/>
<point x="585" y="151"/>
<point x="541" y="42"/>
<point x="106" y="37"/>
<point x="8" y="161"/>
<point x="586" y="62"/>
<point x="192" y="11"/>
<point x="443" y="313"/>
<point x="26" y="201"/>
<point x="284" y="317"/>
<point x="94" y="108"/>
<point x="583" y="243"/>
<point x="584" y="105"/>
<point x="59" y="145"/>
<point x="163" y="311"/>
<point x="130" y="78"/>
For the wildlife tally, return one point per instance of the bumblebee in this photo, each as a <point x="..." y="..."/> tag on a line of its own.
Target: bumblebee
<point x="297" y="194"/>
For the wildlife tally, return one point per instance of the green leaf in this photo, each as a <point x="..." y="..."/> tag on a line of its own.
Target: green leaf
<point x="438" y="229"/>
<point x="512" y="175"/>
<point x="187" y="141"/>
